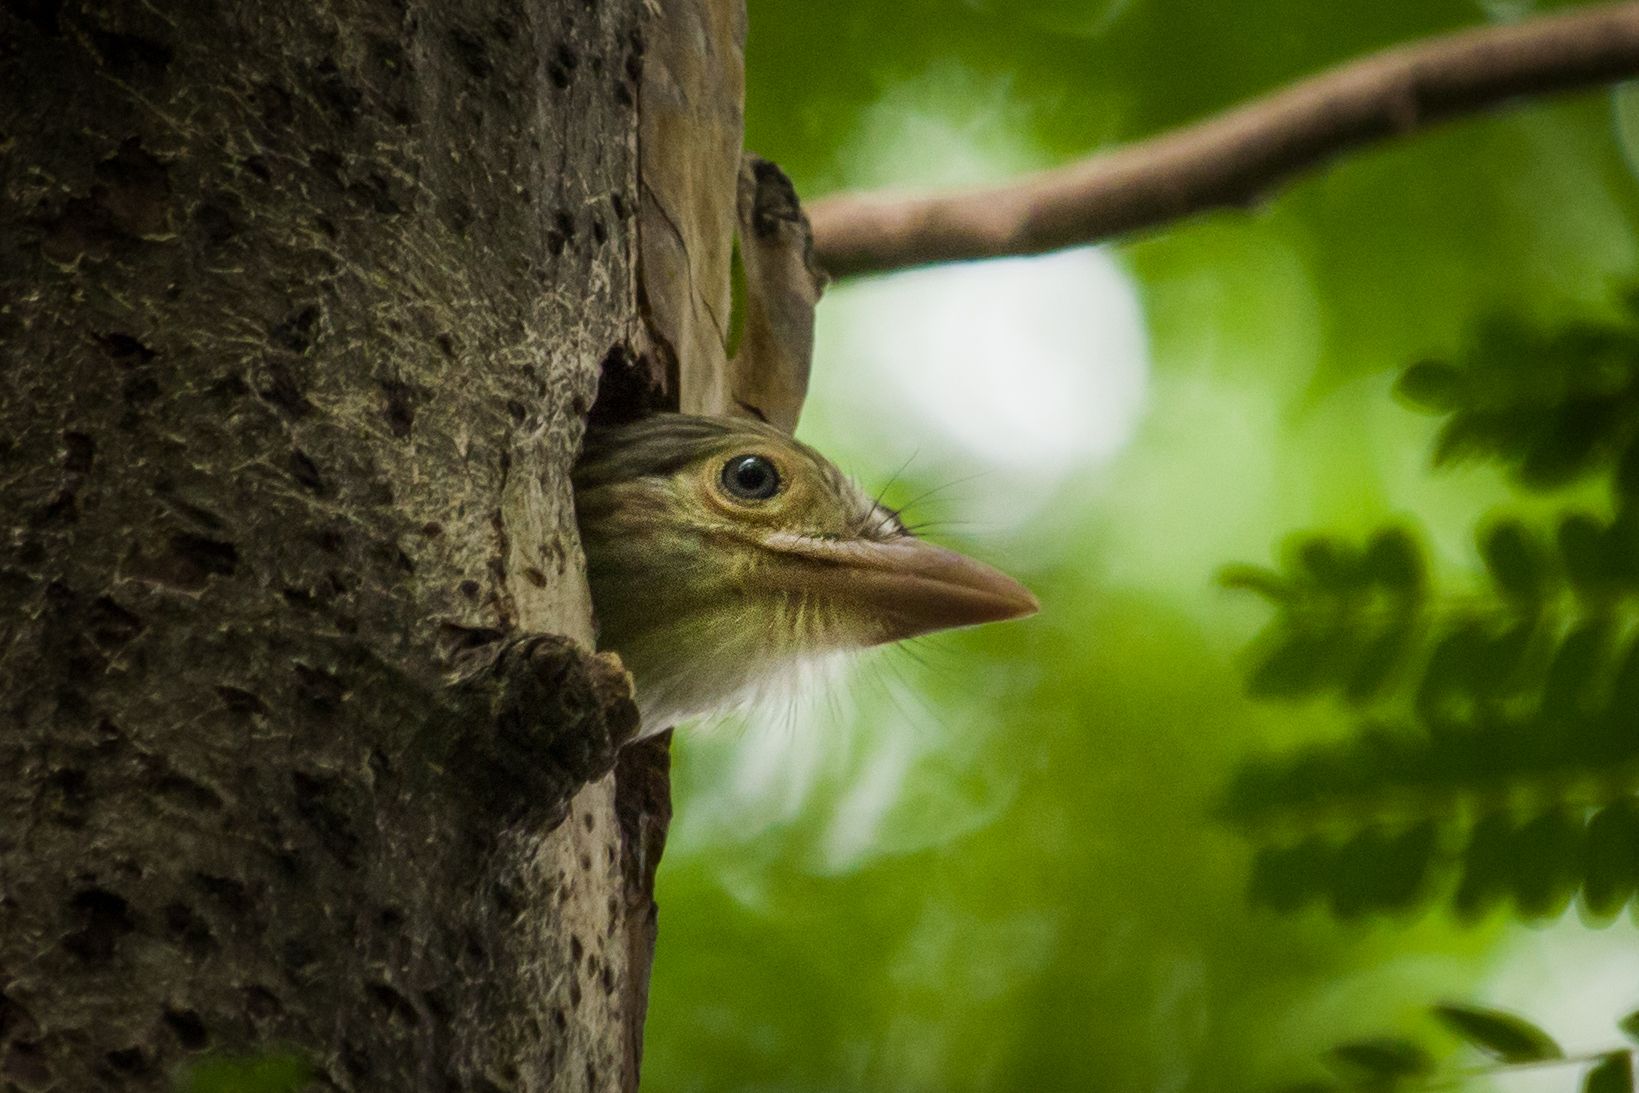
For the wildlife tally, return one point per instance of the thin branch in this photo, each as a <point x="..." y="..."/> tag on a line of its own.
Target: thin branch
<point x="1234" y="158"/>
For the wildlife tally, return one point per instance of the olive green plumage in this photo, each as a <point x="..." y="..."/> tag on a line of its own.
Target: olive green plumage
<point x="721" y="553"/>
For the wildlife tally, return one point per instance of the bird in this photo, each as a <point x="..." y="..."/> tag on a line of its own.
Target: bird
<point x="722" y="555"/>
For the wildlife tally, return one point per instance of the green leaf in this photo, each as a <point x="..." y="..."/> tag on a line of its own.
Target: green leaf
<point x="1585" y="551"/>
<point x="1383" y="1057"/>
<point x="1506" y="344"/>
<point x="1610" y="869"/>
<point x="1626" y="475"/>
<point x="1612" y="1074"/>
<point x="1284" y="878"/>
<point x="1431" y="385"/>
<point x="1406" y="866"/>
<point x="1547" y="852"/>
<point x="1294" y="666"/>
<point x="1354" y="882"/>
<point x="1257" y="579"/>
<point x="1465" y="436"/>
<point x="1515" y="561"/>
<point x="1576" y="668"/>
<point x="1630" y="1025"/>
<point x="1487" y="868"/>
<point x="1378" y="661"/>
<point x="1504" y="1036"/>
<point x="1596" y="357"/>
<point x="1572" y="444"/>
<point x="1624" y="696"/>
<point x="1394" y="561"/>
<point x="1623" y="533"/>
<point x="1509" y="664"/>
<point x="1373" y="871"/>
<point x="1330" y="562"/>
<point x="1451" y="678"/>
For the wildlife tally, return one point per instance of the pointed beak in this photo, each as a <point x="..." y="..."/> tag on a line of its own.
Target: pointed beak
<point x="908" y="586"/>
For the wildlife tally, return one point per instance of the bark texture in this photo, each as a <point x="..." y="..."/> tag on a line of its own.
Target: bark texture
<point x="780" y="286"/>
<point x="693" y="126"/>
<point x="301" y="309"/>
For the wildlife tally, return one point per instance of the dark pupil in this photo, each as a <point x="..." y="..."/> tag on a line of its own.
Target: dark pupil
<point x="751" y="476"/>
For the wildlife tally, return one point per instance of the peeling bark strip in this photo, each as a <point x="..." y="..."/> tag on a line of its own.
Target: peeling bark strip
<point x="693" y="128"/>
<point x="1237" y="157"/>
<point x="300" y="310"/>
<point x="768" y="377"/>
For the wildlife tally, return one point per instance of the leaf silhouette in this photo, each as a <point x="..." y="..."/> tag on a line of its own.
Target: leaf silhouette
<point x="1394" y="561"/>
<point x="1515" y="560"/>
<point x="1612" y="1074"/>
<point x="1383" y="1057"/>
<point x="1431" y="385"/>
<point x="1611" y="861"/>
<point x="1504" y="1036"/>
<point x="1257" y="579"/>
<point x="1630" y="1025"/>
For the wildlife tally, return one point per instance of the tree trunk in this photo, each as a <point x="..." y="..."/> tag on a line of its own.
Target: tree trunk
<point x="301" y="310"/>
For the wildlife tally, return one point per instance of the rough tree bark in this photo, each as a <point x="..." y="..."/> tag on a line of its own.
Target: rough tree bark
<point x="301" y="310"/>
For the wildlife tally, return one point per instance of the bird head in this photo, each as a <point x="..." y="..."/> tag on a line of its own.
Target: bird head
<point x="721" y="553"/>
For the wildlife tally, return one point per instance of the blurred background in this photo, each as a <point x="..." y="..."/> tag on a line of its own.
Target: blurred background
<point x="1330" y="714"/>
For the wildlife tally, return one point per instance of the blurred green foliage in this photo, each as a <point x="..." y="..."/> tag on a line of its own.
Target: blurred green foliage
<point x="269" y="1073"/>
<point x="1168" y="837"/>
<point x="1510" y="1046"/>
<point x="1500" y="735"/>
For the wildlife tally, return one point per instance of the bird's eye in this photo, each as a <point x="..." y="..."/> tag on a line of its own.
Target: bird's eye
<point x="751" y="478"/>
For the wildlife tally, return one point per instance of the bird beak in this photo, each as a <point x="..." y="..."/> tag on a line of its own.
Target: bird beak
<point x="908" y="586"/>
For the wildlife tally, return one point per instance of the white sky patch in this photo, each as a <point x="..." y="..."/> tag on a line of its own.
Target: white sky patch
<point x="1573" y="980"/>
<point x="1022" y="361"/>
<point x="1025" y="371"/>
